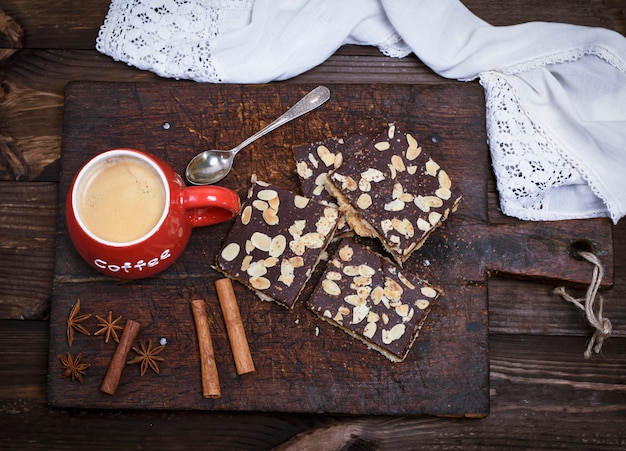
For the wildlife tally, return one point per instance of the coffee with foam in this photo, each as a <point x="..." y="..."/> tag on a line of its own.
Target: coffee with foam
<point x="120" y="199"/>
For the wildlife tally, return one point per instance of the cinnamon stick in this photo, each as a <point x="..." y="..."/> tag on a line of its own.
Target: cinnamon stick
<point x="234" y="326"/>
<point x="210" y="379"/>
<point x="118" y="361"/>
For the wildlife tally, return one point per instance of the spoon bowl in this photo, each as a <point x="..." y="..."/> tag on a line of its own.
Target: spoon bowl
<point x="211" y="166"/>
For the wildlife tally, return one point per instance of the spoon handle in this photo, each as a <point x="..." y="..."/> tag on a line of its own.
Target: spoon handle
<point x="309" y="102"/>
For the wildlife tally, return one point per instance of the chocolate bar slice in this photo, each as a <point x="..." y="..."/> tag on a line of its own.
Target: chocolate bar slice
<point x="393" y="190"/>
<point x="315" y="160"/>
<point x="276" y="242"/>
<point x="373" y="300"/>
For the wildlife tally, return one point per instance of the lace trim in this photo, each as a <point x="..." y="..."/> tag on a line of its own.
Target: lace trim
<point x="525" y="163"/>
<point x="173" y="38"/>
<point x="565" y="56"/>
<point x="394" y="47"/>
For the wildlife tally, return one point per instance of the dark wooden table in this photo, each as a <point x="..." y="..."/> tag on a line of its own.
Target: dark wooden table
<point x="543" y="393"/>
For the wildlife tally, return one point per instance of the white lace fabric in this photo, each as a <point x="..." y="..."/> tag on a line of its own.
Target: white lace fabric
<point x="555" y="93"/>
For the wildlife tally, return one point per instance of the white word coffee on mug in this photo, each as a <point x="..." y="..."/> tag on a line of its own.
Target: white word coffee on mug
<point x="130" y="215"/>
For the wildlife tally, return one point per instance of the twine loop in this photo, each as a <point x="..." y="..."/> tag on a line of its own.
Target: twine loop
<point x="593" y="312"/>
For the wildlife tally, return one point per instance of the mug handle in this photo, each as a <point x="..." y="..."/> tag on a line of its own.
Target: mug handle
<point x="208" y="205"/>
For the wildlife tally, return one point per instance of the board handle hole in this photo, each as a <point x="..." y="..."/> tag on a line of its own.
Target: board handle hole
<point x="577" y="246"/>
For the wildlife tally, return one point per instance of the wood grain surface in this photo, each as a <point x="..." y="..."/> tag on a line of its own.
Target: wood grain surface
<point x="303" y="364"/>
<point x="543" y="393"/>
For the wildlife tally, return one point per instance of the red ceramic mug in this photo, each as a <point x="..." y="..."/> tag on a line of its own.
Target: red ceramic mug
<point x="130" y="215"/>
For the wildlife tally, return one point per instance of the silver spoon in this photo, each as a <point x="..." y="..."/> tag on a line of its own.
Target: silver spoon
<point x="211" y="166"/>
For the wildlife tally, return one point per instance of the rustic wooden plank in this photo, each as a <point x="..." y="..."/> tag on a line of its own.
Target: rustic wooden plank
<point x="27" y="227"/>
<point x="103" y="115"/>
<point x="534" y="379"/>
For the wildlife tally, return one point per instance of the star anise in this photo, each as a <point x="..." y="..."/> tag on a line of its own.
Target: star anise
<point x="109" y="327"/>
<point x="74" y="323"/>
<point x="74" y="367"/>
<point x="148" y="356"/>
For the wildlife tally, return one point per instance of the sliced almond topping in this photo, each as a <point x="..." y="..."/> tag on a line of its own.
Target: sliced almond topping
<point x="383" y="145"/>
<point x="345" y="253"/>
<point x="406" y="282"/>
<point x="391" y="131"/>
<point x="389" y="336"/>
<point x="245" y="263"/>
<point x="246" y="214"/>
<point x="267" y="194"/>
<point x="398" y="163"/>
<point x="313" y="161"/>
<point x="364" y="201"/>
<point x="444" y="179"/>
<point x="429" y="292"/>
<point x="434" y="217"/>
<point x="297" y="227"/>
<point x="411" y="141"/>
<point x="261" y="241"/>
<point x="431" y="167"/>
<point x="323" y="226"/>
<point x="373" y="175"/>
<point x="423" y="225"/>
<point x="422" y="304"/>
<point x="392" y="290"/>
<point x="397" y="191"/>
<point x="296" y="262"/>
<point x="331" y="214"/>
<point x="351" y="270"/>
<point x="304" y="170"/>
<point x="270" y="262"/>
<point x="333" y="275"/>
<point x="260" y="205"/>
<point x="365" y="185"/>
<point x="286" y="272"/>
<point x="421" y="203"/>
<point x="274" y="202"/>
<point x="362" y="280"/>
<point x="373" y="317"/>
<point x="230" y="252"/>
<point x="359" y="313"/>
<point x="402" y="310"/>
<point x="338" y="160"/>
<point x="377" y="295"/>
<point x="363" y="292"/>
<point x="331" y="287"/>
<point x="406" y="198"/>
<point x="395" y="205"/>
<point x="386" y="225"/>
<point x="412" y="169"/>
<point x="256" y="269"/>
<point x="443" y="193"/>
<point x="433" y="201"/>
<point x="354" y="300"/>
<point x="300" y="201"/>
<point x="370" y="330"/>
<point x="392" y="171"/>
<point x="260" y="283"/>
<point x="270" y="216"/>
<point x="326" y="155"/>
<point x="277" y="246"/>
<point x="313" y="240"/>
<point x="366" y="270"/>
<point x="349" y="184"/>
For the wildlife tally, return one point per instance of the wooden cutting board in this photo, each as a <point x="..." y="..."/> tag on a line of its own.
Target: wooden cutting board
<point x="302" y="363"/>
